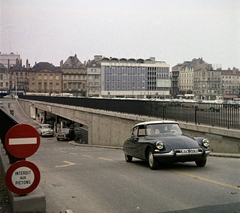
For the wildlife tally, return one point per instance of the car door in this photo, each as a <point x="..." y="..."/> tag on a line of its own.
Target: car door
<point x="135" y="142"/>
<point x="130" y="144"/>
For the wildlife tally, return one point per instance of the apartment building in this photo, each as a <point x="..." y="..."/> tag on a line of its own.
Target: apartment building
<point x="4" y="80"/>
<point x="74" y="76"/>
<point x="137" y="78"/>
<point x="174" y="80"/>
<point x="45" y="78"/>
<point x="186" y="74"/>
<point x="207" y="84"/>
<point x="199" y="78"/>
<point x="19" y="78"/>
<point x="230" y="83"/>
<point x="94" y="77"/>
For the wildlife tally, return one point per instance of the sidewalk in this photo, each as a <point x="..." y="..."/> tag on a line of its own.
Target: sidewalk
<point x="5" y="204"/>
<point x="227" y="155"/>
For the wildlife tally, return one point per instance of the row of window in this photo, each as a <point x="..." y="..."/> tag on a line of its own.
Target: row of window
<point x="45" y="86"/>
<point x="215" y="92"/>
<point x="73" y="86"/>
<point x="74" y="77"/>
<point x="2" y="84"/>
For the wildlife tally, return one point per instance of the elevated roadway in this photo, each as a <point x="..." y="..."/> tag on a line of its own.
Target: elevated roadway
<point x="109" y="128"/>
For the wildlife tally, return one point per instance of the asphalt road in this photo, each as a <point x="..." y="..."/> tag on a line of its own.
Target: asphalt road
<point x="92" y="179"/>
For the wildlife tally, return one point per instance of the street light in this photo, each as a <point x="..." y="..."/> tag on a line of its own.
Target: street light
<point x="16" y="87"/>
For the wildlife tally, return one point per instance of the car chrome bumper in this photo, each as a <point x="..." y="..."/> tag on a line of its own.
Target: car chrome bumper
<point x="172" y="154"/>
<point x="168" y="154"/>
<point x="47" y="133"/>
<point x="61" y="136"/>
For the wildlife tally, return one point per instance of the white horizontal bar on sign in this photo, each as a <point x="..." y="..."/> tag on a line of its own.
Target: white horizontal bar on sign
<point x="22" y="141"/>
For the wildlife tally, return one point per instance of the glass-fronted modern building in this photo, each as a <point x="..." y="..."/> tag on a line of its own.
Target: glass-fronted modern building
<point x="136" y="78"/>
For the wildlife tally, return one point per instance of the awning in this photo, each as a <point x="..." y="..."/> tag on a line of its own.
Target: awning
<point x="230" y="96"/>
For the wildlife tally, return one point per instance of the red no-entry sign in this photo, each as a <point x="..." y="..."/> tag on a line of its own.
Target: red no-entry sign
<point x="22" y="140"/>
<point x="22" y="177"/>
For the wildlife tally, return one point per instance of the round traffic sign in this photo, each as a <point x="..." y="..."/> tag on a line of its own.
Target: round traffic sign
<point x="22" y="177"/>
<point x="22" y="140"/>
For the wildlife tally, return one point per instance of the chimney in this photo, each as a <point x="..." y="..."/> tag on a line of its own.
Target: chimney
<point x="27" y="63"/>
<point x="75" y="58"/>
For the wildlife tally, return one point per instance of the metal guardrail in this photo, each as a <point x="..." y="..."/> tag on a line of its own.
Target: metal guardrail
<point x="213" y="114"/>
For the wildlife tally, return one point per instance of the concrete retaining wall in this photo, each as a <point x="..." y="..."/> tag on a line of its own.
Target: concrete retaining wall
<point x="112" y="129"/>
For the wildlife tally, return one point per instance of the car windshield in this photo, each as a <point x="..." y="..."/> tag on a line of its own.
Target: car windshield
<point x="65" y="130"/>
<point x="156" y="130"/>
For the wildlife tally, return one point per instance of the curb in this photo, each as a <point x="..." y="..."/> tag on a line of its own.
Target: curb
<point x="226" y="155"/>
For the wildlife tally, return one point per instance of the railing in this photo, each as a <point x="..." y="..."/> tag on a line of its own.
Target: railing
<point x="221" y="115"/>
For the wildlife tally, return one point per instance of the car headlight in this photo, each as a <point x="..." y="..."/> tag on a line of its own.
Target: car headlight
<point x="206" y="143"/>
<point x="160" y="145"/>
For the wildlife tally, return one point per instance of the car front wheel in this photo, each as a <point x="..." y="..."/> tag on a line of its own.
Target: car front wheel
<point x="201" y="163"/>
<point x="128" y="158"/>
<point x="152" y="161"/>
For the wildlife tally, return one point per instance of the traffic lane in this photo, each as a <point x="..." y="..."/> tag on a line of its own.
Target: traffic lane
<point x="18" y="113"/>
<point x="99" y="180"/>
<point x="222" y="167"/>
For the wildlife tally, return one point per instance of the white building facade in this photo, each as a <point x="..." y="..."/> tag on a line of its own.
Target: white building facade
<point x="134" y="78"/>
<point x="9" y="60"/>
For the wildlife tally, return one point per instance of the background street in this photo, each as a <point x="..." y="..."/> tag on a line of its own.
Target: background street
<point x="93" y="179"/>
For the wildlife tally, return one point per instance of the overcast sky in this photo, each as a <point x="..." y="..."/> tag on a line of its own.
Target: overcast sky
<point x="169" y="30"/>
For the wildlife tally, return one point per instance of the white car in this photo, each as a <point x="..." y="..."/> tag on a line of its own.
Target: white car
<point x="45" y="130"/>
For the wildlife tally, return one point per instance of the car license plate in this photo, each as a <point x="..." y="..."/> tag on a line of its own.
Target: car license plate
<point x="189" y="150"/>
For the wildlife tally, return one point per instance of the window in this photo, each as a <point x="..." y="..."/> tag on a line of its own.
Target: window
<point x="39" y="86"/>
<point x="134" y="132"/>
<point x="141" y="131"/>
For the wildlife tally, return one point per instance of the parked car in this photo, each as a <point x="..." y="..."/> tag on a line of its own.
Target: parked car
<point x="45" y="130"/>
<point x="163" y="142"/>
<point x="231" y="104"/>
<point x="65" y="134"/>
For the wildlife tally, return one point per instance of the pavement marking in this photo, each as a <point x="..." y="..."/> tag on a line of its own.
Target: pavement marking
<point x="108" y="159"/>
<point x="67" y="164"/>
<point x="89" y="156"/>
<point x="208" y="180"/>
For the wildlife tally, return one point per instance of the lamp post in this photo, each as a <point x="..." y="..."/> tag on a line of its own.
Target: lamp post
<point x="16" y="80"/>
<point x="16" y="87"/>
